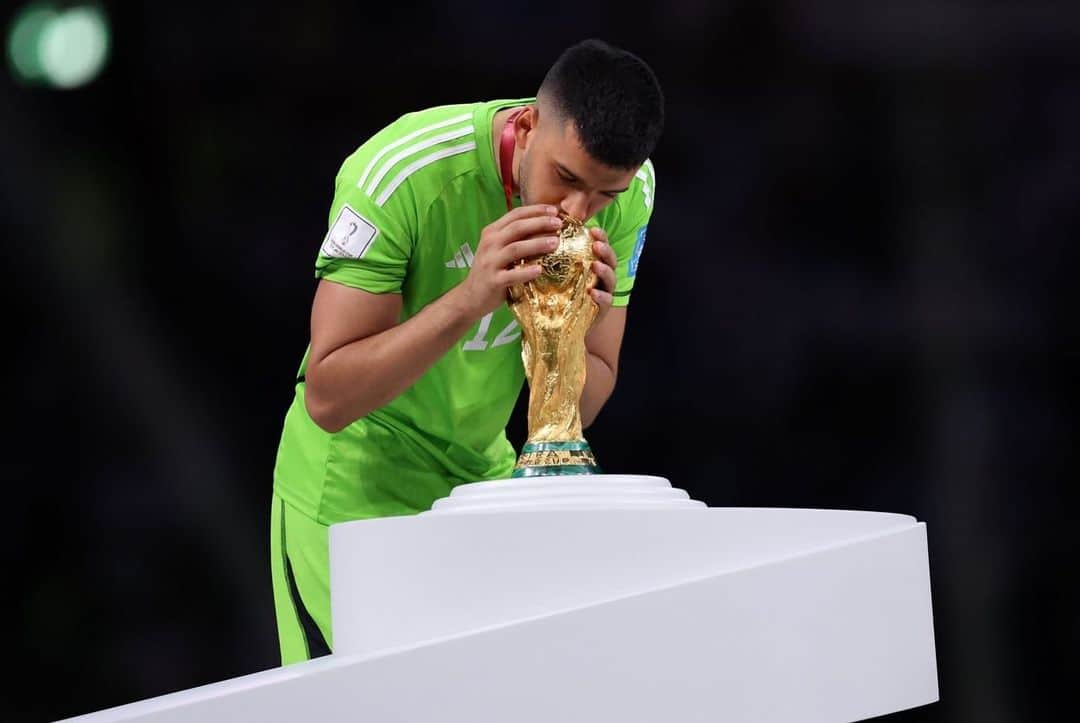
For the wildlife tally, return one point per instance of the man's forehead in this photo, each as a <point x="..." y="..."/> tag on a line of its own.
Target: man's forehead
<point x="568" y="152"/>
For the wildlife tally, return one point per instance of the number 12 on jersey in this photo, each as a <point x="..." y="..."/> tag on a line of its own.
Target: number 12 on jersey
<point x="478" y="343"/>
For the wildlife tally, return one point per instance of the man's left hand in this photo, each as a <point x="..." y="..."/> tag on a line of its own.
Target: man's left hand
<point x="604" y="268"/>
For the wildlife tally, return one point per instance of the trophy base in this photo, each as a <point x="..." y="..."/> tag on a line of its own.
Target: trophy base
<point x="541" y="459"/>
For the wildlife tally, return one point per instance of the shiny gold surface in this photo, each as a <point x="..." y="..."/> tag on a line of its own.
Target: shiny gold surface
<point x="557" y="458"/>
<point x="555" y="311"/>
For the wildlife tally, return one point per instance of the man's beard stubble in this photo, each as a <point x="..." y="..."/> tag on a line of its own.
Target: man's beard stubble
<point x="523" y="172"/>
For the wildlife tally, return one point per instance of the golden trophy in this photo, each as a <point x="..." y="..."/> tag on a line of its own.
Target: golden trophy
<point x="555" y="311"/>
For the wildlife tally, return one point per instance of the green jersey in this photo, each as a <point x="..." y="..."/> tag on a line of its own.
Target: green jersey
<point x="409" y="208"/>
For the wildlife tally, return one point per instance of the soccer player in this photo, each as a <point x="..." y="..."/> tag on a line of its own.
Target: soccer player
<point x="414" y="362"/>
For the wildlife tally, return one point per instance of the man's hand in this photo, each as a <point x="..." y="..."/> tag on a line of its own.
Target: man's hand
<point x="523" y="233"/>
<point x="604" y="268"/>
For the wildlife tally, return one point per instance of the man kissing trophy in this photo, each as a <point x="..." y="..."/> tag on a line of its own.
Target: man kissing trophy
<point x="555" y="312"/>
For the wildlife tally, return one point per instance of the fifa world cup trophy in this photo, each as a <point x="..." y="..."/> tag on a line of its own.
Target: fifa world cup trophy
<point x="555" y="311"/>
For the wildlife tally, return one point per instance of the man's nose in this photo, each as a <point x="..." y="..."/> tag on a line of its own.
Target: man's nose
<point x="576" y="204"/>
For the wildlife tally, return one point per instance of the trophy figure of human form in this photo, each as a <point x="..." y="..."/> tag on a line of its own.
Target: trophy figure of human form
<point x="555" y="311"/>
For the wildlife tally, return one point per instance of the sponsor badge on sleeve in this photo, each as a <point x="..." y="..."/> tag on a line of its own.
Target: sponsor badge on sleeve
<point x="636" y="256"/>
<point x="350" y="237"/>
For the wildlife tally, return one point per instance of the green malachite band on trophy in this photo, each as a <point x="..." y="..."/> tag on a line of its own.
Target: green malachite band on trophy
<point x="576" y="445"/>
<point x="539" y="459"/>
<point x="554" y="471"/>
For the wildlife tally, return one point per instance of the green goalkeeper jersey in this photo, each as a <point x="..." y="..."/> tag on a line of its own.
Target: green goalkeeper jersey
<point x="409" y="207"/>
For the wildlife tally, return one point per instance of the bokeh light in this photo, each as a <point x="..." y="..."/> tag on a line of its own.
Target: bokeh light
<point x="60" y="48"/>
<point x="24" y="40"/>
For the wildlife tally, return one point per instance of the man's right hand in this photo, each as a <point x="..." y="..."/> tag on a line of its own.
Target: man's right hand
<point x="526" y="232"/>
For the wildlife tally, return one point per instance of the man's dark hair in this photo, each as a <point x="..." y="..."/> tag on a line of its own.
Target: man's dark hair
<point x="613" y="99"/>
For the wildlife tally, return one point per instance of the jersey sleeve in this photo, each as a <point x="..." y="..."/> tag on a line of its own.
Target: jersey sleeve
<point x="627" y="237"/>
<point x="368" y="244"/>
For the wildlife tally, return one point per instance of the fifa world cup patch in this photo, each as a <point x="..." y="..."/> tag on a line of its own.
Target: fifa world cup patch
<point x="350" y="237"/>
<point x="636" y="256"/>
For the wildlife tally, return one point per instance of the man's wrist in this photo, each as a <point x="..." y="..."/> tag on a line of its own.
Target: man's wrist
<point x="461" y="306"/>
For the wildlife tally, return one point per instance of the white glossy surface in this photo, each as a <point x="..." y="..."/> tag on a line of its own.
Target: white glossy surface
<point x="568" y="492"/>
<point x="407" y="579"/>
<point x="540" y="608"/>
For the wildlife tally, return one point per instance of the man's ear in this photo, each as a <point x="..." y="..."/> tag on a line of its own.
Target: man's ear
<point x="525" y="125"/>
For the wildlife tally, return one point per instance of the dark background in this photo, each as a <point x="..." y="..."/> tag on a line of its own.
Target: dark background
<point x="854" y="296"/>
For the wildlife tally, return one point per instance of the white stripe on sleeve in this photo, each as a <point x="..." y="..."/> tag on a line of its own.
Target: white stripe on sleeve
<point x="418" y="164"/>
<point x="406" y="139"/>
<point x="413" y="150"/>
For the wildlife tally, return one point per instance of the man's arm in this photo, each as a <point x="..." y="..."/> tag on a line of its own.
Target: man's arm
<point x="604" y="339"/>
<point x="361" y="358"/>
<point x="601" y="363"/>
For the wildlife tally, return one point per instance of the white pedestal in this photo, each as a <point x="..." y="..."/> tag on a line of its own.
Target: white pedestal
<point x="618" y="599"/>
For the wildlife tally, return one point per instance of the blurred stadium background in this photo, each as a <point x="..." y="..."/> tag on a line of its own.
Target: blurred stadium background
<point x="856" y="294"/>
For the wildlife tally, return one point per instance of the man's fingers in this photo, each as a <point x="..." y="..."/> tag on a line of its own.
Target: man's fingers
<point x="538" y="209"/>
<point x="518" y="275"/>
<point x="604" y="266"/>
<point x="605" y="253"/>
<point x="527" y="249"/>
<point x="602" y="298"/>
<point x="542" y="225"/>
<point x="605" y="274"/>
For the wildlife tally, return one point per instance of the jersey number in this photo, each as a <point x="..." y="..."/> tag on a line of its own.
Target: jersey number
<point x="507" y="335"/>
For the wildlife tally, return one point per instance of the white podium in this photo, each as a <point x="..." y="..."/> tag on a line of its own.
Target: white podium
<point x="603" y="598"/>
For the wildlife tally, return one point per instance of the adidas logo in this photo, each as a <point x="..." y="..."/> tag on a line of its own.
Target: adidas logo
<point x="462" y="259"/>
